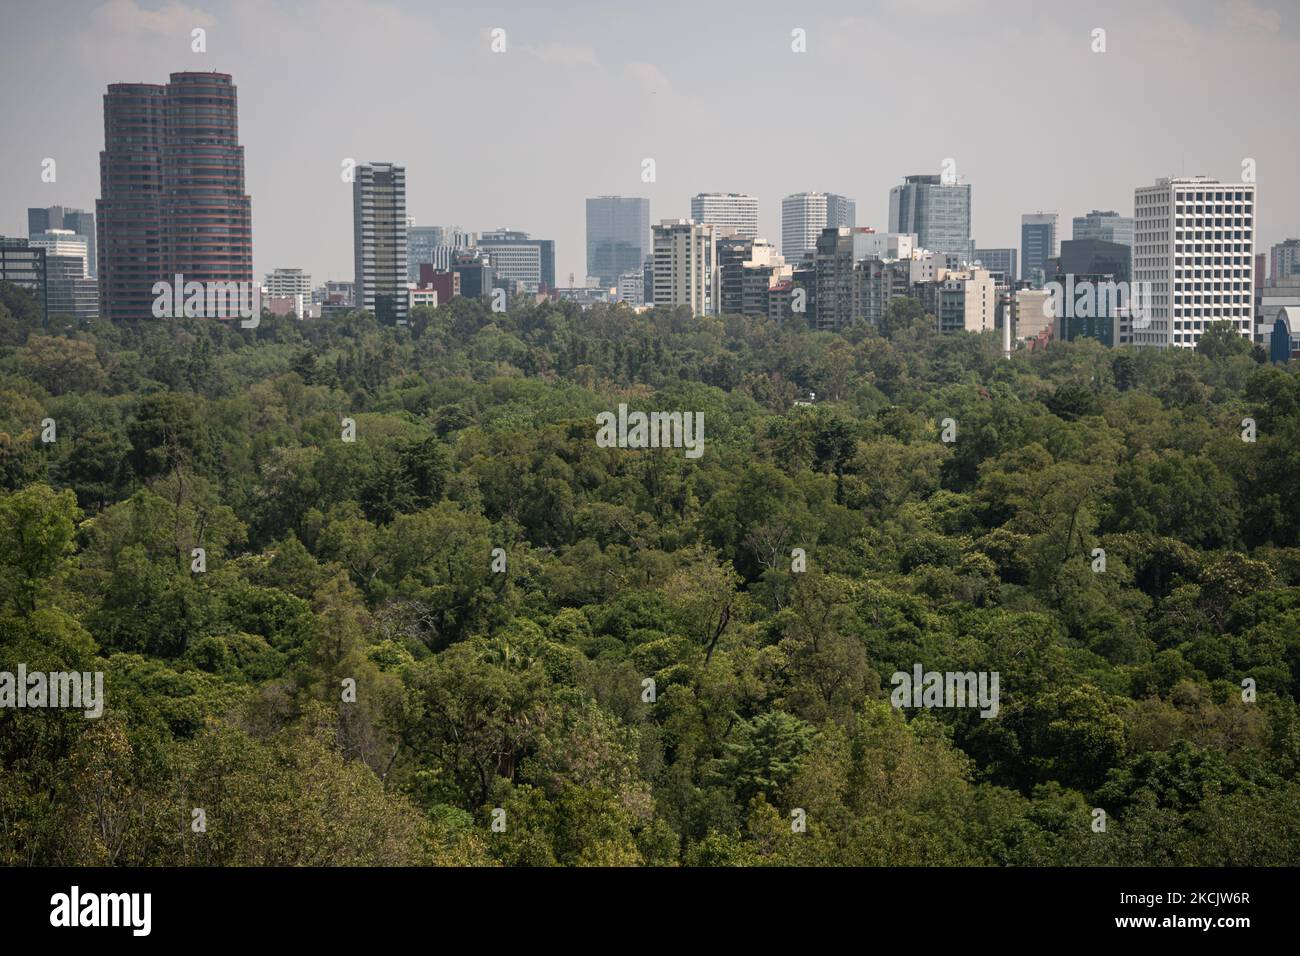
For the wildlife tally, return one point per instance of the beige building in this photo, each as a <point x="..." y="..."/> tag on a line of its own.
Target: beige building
<point x="1033" y="313"/>
<point x="685" y="266"/>
<point x="967" y="301"/>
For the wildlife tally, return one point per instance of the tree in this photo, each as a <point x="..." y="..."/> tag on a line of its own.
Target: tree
<point x="37" y="525"/>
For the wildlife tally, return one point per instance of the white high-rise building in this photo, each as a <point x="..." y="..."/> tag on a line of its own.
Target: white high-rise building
<point x="289" y="282"/>
<point x="63" y="242"/>
<point x="286" y="289"/>
<point x="1193" y="253"/>
<point x="379" y="240"/>
<point x="733" y="210"/>
<point x="805" y="215"/>
<point x="631" y="287"/>
<point x="883" y="245"/>
<point x="685" y="266"/>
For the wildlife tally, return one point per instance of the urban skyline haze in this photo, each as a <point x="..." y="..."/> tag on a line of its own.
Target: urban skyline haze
<point x="521" y="139"/>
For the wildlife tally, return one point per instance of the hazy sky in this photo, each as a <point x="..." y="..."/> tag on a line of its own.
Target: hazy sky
<point x="712" y="91"/>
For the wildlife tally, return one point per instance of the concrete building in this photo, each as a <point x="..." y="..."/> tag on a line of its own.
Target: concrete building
<point x="1033" y="313"/>
<point x="518" y="259"/>
<point x="880" y="281"/>
<point x="379" y="240"/>
<point x="686" y="266"/>
<point x="927" y="266"/>
<point x="631" y="287"/>
<point x="337" y="293"/>
<point x="937" y="212"/>
<point x="780" y="297"/>
<point x="452" y="240"/>
<point x="584" y="296"/>
<point x="64" y="243"/>
<point x="737" y="257"/>
<point x="758" y="281"/>
<point x="79" y="221"/>
<point x="1284" y="262"/>
<point x="837" y="290"/>
<point x="869" y="244"/>
<point x="69" y="291"/>
<point x="442" y="281"/>
<point x="805" y="215"/>
<point x="764" y="268"/>
<point x="733" y="252"/>
<point x="618" y="236"/>
<point x="288" y="283"/>
<point x="967" y="301"/>
<point x="1193" y="252"/>
<point x="1271" y="298"/>
<point x="422" y="297"/>
<point x="1281" y="334"/>
<point x="727" y="210"/>
<point x="289" y="291"/>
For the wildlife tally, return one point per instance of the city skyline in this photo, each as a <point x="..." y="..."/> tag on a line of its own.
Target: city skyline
<point x="534" y="171"/>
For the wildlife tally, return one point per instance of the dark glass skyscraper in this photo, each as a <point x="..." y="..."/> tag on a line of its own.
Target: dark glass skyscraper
<point x="1107" y="226"/>
<point x="24" y="265"/>
<point x="618" y="236"/>
<point x="172" y="190"/>
<point x="207" y="217"/>
<point x="1038" y="243"/>
<point x="129" y="210"/>
<point x="938" y="212"/>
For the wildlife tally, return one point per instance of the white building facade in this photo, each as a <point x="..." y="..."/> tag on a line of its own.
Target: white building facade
<point x="63" y="242"/>
<point x="733" y="210"/>
<point x="805" y="215"/>
<point x="1194" y="249"/>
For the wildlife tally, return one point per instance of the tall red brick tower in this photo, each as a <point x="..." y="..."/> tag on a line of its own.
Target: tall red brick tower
<point x="172" y="184"/>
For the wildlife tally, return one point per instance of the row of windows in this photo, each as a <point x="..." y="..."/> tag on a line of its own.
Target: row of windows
<point x="1186" y="196"/>
<point x="1185" y="236"/>
<point x="1188" y="235"/>
<point x="1200" y="325"/>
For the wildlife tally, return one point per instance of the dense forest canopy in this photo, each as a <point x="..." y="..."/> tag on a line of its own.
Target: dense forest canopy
<point x="312" y="655"/>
